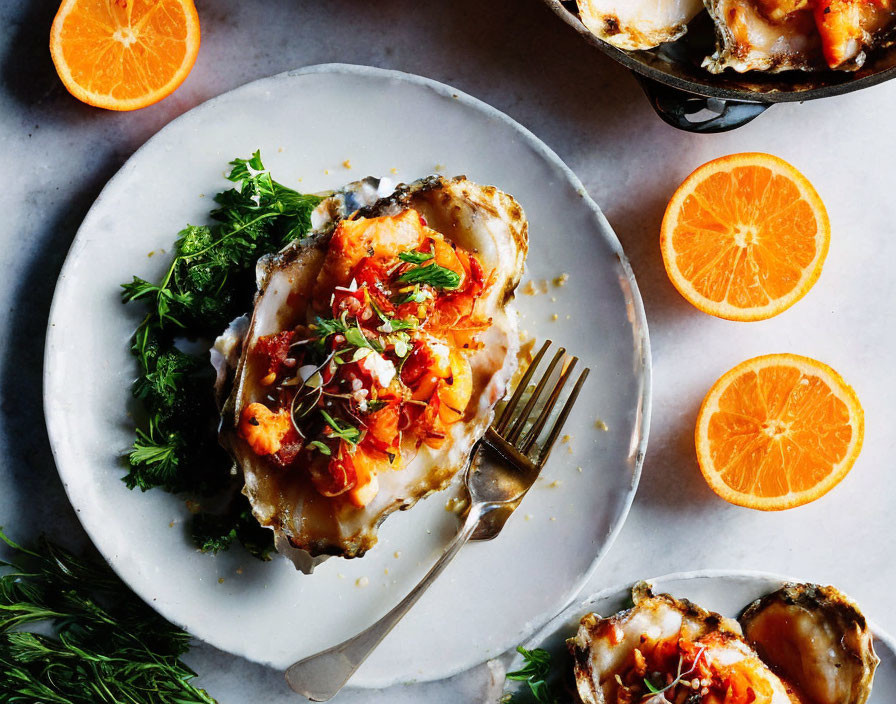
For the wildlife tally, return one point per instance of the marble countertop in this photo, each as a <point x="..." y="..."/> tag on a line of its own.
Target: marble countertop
<point x="513" y="54"/>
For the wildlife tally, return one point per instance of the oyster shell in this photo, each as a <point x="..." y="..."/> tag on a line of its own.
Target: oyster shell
<point x="816" y="639"/>
<point x="783" y="35"/>
<point x="638" y="24"/>
<point x="764" y="35"/>
<point x="660" y="636"/>
<point x="309" y="526"/>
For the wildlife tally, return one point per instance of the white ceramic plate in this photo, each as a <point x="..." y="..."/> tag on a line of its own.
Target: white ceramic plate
<point x="307" y="123"/>
<point x="725" y="592"/>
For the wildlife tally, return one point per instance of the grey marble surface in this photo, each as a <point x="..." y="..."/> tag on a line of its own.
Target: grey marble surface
<point x="57" y="153"/>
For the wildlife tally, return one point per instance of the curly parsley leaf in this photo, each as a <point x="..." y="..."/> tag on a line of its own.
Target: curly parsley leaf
<point x="209" y="281"/>
<point x="212" y="532"/>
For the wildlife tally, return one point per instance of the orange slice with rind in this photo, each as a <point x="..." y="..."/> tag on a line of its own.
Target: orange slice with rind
<point x="778" y="431"/>
<point x="745" y="237"/>
<point x="124" y="54"/>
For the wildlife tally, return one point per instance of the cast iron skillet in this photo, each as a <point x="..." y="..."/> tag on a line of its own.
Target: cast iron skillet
<point x="692" y="99"/>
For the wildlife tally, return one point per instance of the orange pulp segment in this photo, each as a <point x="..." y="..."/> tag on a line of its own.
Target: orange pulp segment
<point x="744" y="237"/>
<point x="778" y="431"/>
<point x="124" y="54"/>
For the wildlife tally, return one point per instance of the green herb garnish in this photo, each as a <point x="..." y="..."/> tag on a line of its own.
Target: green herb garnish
<point x="418" y="295"/>
<point x="398" y="324"/>
<point x="415" y="257"/>
<point x="535" y="672"/>
<point x="321" y="447"/>
<point x="95" y="641"/>
<point x="679" y="676"/>
<point x="356" y="338"/>
<point x="324" y="327"/>
<point x="213" y="532"/>
<point x="209" y="282"/>
<point x="345" y="431"/>
<point x="432" y="274"/>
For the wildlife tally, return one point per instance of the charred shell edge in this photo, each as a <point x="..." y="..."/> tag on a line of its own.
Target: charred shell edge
<point x="641" y="592"/>
<point x="730" y="54"/>
<point x="609" y="28"/>
<point x="810" y="597"/>
<point x="814" y="597"/>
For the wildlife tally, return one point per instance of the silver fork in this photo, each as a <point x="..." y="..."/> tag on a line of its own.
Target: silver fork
<point x="495" y="490"/>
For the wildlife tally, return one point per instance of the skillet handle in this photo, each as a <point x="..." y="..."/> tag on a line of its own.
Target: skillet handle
<point x="676" y="106"/>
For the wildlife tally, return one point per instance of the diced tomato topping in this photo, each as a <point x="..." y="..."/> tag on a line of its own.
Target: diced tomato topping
<point x="382" y="427"/>
<point x="373" y="275"/>
<point x="419" y="361"/>
<point x="432" y="388"/>
<point x="290" y="447"/>
<point x="351" y="302"/>
<point x="273" y="350"/>
<point x="336" y="475"/>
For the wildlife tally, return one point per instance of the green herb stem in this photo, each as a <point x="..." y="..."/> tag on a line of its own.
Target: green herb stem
<point x="105" y="646"/>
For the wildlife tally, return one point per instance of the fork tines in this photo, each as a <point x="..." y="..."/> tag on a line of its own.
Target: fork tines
<point x="524" y="430"/>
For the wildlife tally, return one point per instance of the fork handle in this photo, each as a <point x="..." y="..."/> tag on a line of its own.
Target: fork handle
<point x="321" y="676"/>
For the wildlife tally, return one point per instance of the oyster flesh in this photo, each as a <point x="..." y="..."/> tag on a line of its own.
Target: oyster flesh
<point x="783" y="35"/>
<point x="815" y="638"/>
<point x="764" y="35"/>
<point x="376" y="351"/>
<point x="657" y="650"/>
<point x="849" y="28"/>
<point x="638" y="24"/>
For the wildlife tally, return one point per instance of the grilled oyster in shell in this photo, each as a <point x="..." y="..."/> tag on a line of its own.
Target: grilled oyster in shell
<point x="817" y="639"/>
<point x="670" y="643"/>
<point x="754" y="36"/>
<point x="783" y="35"/>
<point x="638" y="24"/>
<point x="307" y="524"/>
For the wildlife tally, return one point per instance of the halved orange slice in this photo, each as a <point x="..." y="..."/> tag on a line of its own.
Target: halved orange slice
<point x="778" y="431"/>
<point x="124" y="54"/>
<point x="744" y="237"/>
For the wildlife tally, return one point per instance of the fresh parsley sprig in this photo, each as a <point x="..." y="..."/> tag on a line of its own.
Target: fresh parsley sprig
<point x="72" y="633"/>
<point x="257" y="217"/>
<point x="209" y="281"/>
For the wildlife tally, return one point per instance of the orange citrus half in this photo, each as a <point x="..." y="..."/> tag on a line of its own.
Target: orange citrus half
<point x="124" y="54"/>
<point x="745" y="236"/>
<point x="778" y="431"/>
